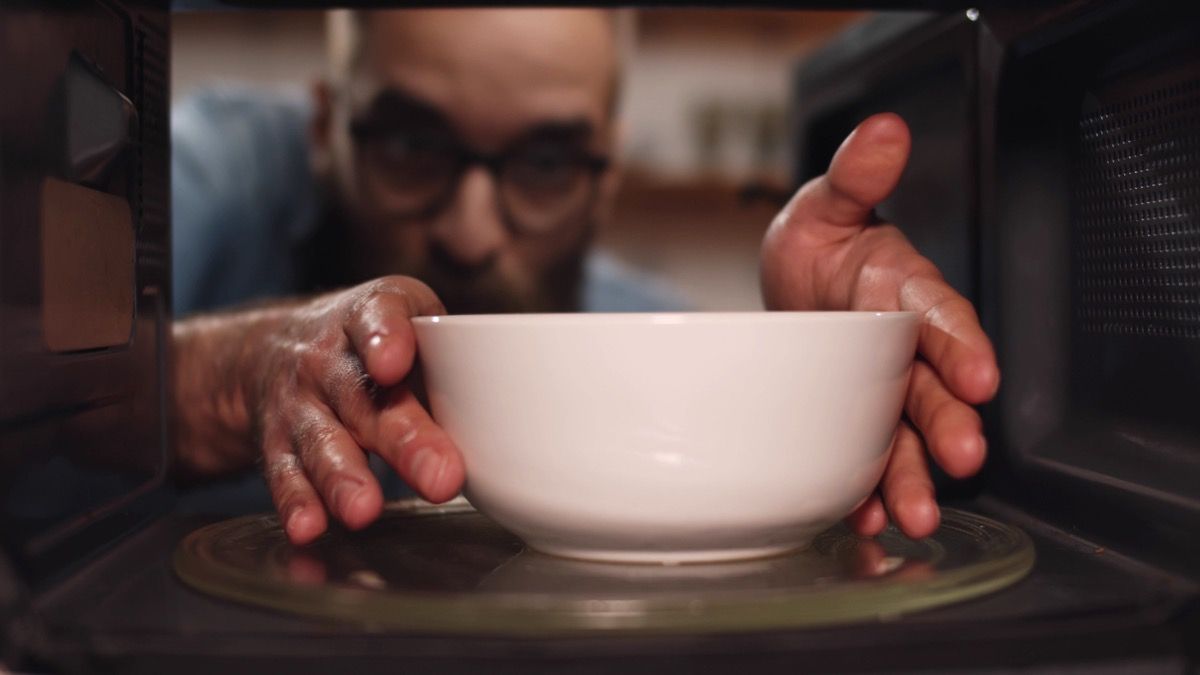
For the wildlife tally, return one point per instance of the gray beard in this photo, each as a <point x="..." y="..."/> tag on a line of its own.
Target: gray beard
<point x="336" y="260"/>
<point x="557" y="291"/>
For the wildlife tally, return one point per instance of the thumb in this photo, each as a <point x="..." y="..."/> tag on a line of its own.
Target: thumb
<point x="864" y="171"/>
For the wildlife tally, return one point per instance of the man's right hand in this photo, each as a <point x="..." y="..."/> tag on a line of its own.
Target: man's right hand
<point x="311" y="388"/>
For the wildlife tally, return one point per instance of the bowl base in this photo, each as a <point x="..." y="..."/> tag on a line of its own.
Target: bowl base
<point x="639" y="557"/>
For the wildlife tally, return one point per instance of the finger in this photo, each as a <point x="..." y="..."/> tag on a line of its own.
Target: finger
<point x="951" y="428"/>
<point x="907" y="488"/>
<point x="300" y="508"/>
<point x="863" y="172"/>
<point x="417" y="448"/>
<point x="951" y="338"/>
<point x="379" y="330"/>
<point x="394" y="425"/>
<point x="870" y="559"/>
<point x="336" y="466"/>
<point x="869" y="519"/>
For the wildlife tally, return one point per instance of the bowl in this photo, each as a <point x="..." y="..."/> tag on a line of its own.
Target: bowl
<point x="668" y="438"/>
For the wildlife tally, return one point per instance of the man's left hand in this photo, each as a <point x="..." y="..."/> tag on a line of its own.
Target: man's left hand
<point x="827" y="251"/>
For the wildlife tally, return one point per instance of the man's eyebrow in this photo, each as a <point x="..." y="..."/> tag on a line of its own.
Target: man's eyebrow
<point x="394" y="102"/>
<point x="568" y="130"/>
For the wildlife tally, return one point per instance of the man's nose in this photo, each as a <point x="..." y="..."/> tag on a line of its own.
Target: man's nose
<point x="472" y="229"/>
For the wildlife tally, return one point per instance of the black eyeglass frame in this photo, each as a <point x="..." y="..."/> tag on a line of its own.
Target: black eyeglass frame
<point x="364" y="131"/>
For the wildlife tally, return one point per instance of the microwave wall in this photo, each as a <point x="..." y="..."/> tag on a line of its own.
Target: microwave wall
<point x="1054" y="174"/>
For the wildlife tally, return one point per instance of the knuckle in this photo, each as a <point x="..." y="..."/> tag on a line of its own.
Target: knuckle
<point x="938" y="410"/>
<point x="937" y="417"/>
<point x="951" y="310"/>
<point x="310" y="433"/>
<point x="321" y="437"/>
<point x="926" y="392"/>
<point x="329" y="342"/>
<point x="291" y="496"/>
<point x="381" y="299"/>
<point x="369" y="300"/>
<point x="399" y="430"/>
<point x="415" y="295"/>
<point x="918" y="266"/>
<point x="404" y="285"/>
<point x="346" y="386"/>
<point x="917" y="475"/>
<point x="915" y="273"/>
<point x="311" y="358"/>
<point x="281" y="470"/>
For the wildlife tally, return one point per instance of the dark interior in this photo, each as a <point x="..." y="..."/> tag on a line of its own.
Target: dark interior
<point x="1072" y="223"/>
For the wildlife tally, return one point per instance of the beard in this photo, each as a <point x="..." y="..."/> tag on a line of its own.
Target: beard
<point x="344" y="254"/>
<point x="495" y="290"/>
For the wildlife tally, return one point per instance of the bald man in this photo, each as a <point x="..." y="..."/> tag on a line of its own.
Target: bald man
<point x="471" y="150"/>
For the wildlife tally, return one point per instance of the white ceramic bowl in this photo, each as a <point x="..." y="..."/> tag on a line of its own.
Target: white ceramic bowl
<point x="669" y="437"/>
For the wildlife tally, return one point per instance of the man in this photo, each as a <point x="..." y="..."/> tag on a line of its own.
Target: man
<point x="472" y="150"/>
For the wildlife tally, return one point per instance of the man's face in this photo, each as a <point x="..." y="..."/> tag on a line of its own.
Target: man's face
<point x="469" y="148"/>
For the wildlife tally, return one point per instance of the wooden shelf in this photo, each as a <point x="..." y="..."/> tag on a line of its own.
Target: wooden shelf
<point x="782" y="28"/>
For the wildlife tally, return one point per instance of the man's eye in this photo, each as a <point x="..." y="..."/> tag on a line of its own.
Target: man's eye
<point x="397" y="147"/>
<point x="402" y="145"/>
<point x="546" y="163"/>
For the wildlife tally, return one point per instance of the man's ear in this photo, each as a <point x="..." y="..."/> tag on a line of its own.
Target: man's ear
<point x="321" y="127"/>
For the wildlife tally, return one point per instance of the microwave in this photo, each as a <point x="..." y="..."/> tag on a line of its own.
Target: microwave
<point x="1054" y="181"/>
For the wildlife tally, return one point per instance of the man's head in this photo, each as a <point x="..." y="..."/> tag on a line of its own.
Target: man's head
<point x="470" y="148"/>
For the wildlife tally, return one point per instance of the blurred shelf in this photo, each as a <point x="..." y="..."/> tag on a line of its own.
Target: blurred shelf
<point x="694" y="233"/>
<point x="786" y="29"/>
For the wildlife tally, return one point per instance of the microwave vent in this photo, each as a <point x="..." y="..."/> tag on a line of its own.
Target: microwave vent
<point x="1137" y="214"/>
<point x="151" y="95"/>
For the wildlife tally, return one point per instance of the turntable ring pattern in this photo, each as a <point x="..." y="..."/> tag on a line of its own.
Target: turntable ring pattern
<point x="449" y="569"/>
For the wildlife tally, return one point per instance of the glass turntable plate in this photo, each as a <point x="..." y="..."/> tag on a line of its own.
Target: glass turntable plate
<point x="450" y="569"/>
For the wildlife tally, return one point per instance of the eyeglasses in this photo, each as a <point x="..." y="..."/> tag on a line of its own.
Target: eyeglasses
<point x="545" y="180"/>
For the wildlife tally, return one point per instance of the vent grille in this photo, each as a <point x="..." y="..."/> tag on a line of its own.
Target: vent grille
<point x="153" y="132"/>
<point x="1137" y="196"/>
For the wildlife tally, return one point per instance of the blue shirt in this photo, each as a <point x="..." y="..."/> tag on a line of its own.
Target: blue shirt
<point x="244" y="202"/>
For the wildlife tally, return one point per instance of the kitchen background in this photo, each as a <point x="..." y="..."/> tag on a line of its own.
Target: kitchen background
<point x="705" y="107"/>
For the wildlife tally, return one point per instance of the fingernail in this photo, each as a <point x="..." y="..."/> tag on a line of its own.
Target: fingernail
<point x="290" y="518"/>
<point x="294" y="522"/>
<point x="427" y="465"/>
<point x="343" y="494"/>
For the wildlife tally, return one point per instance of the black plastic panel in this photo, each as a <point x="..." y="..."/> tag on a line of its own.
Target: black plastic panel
<point x="1090" y="258"/>
<point x="152" y="92"/>
<point x="1053" y="179"/>
<point x="1136" y="242"/>
<point x="82" y="432"/>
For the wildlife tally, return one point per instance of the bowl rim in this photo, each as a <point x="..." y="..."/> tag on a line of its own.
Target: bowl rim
<point x="663" y="318"/>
